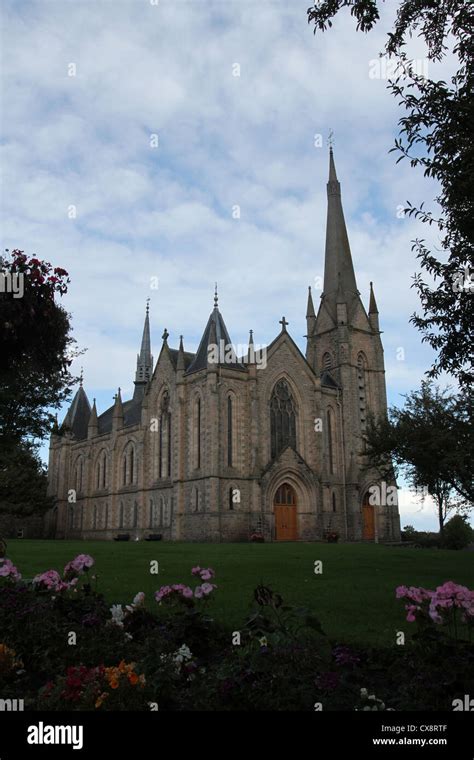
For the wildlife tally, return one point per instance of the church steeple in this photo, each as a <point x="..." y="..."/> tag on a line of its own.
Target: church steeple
<point x="339" y="277"/>
<point x="373" y="311"/>
<point x="144" y="358"/>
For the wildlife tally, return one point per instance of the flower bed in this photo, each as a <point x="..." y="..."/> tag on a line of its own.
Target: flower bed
<point x="62" y="647"/>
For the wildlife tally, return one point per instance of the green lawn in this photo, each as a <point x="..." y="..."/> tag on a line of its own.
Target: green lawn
<point x="354" y="597"/>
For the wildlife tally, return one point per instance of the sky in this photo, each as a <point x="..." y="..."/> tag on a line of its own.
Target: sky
<point x="154" y="147"/>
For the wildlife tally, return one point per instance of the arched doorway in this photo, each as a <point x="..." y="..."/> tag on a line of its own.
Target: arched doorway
<point x="368" y="519"/>
<point x="284" y="508"/>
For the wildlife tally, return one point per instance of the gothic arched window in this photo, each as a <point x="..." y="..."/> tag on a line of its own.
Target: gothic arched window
<point x="164" y="454"/>
<point x="283" y="419"/>
<point x="197" y="432"/>
<point x="101" y="470"/>
<point x="79" y="474"/>
<point x="231" y="442"/>
<point x="129" y="465"/>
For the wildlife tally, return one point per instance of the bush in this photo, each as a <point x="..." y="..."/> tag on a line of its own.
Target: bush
<point x="428" y="540"/>
<point x="457" y="533"/>
<point x="409" y="533"/>
<point x="169" y="652"/>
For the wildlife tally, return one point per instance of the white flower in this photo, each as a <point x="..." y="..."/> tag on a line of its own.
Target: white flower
<point x="183" y="654"/>
<point x="363" y="693"/>
<point x="117" y="614"/>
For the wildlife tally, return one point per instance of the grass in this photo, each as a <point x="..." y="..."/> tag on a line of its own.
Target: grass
<point x="354" y="597"/>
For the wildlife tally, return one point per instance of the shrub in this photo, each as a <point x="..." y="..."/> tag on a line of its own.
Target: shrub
<point x="457" y="533"/>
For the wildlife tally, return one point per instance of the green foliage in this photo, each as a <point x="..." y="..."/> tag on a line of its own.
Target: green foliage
<point x="142" y="662"/>
<point x="36" y="338"/>
<point x="23" y="480"/>
<point x="429" y="440"/>
<point x="408" y="533"/>
<point x="457" y="533"/>
<point x="435" y="135"/>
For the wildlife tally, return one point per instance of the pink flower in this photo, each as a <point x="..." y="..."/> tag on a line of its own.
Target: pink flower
<point x="49" y="579"/>
<point x="204" y="590"/>
<point x="79" y="564"/>
<point x="411" y="609"/>
<point x="196" y="570"/>
<point x="206" y="575"/>
<point x="162" y="593"/>
<point x="401" y="592"/>
<point x="8" y="570"/>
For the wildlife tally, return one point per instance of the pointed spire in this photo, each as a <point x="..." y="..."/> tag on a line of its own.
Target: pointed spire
<point x="338" y="268"/>
<point x="310" y="315"/>
<point x="372" y="302"/>
<point x="144" y="358"/>
<point x="373" y="311"/>
<point x="77" y="417"/>
<point x="117" y="415"/>
<point x="180" y="361"/>
<point x="251" y="349"/>
<point x="215" y="334"/>
<point x="93" y="427"/>
<point x="310" y="307"/>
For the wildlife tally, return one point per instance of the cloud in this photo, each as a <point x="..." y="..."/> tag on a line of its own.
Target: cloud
<point x="144" y="71"/>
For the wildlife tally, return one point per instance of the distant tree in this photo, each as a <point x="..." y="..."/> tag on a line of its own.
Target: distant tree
<point x="23" y="480"/>
<point x="430" y="441"/>
<point x="437" y="135"/>
<point x="36" y="347"/>
<point x="457" y="533"/>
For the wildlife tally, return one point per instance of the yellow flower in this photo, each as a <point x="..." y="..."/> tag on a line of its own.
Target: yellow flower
<point x="101" y="698"/>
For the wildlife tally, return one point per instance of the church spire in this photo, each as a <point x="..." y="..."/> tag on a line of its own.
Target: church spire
<point x="93" y="427"/>
<point x="339" y="277"/>
<point x="373" y="311"/>
<point x="310" y="315"/>
<point x="144" y="358"/>
<point x="372" y="302"/>
<point x="180" y="365"/>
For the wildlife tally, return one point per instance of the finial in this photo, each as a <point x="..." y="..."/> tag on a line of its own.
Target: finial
<point x="165" y="335"/>
<point x="148" y="305"/>
<point x="81" y="377"/>
<point x="283" y="324"/>
<point x="331" y="139"/>
<point x="216" y="297"/>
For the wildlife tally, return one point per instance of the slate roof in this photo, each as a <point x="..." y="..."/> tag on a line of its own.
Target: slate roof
<point x="216" y="322"/>
<point x="77" y="418"/>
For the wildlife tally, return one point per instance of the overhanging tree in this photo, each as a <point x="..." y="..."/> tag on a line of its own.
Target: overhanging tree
<point x="36" y="350"/>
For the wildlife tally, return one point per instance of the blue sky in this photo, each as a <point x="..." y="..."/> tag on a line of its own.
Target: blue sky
<point x="144" y="212"/>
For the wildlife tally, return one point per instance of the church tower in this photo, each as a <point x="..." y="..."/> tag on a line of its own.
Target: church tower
<point x="344" y="345"/>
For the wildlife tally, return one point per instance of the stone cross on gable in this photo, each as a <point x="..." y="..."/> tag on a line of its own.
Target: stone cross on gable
<point x="283" y="324"/>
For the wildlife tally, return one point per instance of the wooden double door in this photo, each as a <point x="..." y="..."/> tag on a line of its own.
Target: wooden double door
<point x="284" y="508"/>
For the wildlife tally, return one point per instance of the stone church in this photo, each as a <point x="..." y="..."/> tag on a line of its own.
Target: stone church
<point x="216" y="446"/>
